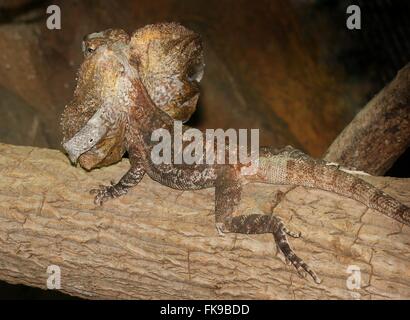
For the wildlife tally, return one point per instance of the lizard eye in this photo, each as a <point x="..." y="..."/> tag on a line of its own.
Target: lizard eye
<point x="88" y="49"/>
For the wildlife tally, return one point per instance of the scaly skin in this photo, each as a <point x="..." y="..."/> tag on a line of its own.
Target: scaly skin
<point x="129" y="112"/>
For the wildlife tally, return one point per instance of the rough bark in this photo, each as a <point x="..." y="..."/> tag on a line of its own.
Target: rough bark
<point x="380" y="132"/>
<point x="157" y="242"/>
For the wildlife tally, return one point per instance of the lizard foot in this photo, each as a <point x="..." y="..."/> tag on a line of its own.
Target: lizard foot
<point x="220" y="227"/>
<point x="291" y="258"/>
<point x="293" y="234"/>
<point x="104" y="193"/>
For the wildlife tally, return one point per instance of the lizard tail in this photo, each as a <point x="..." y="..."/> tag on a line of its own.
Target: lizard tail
<point x="291" y="166"/>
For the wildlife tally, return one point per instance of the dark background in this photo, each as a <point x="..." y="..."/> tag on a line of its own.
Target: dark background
<point x="290" y="68"/>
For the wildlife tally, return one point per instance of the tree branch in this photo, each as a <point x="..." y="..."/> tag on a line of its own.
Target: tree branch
<point x="157" y="242"/>
<point x="380" y="132"/>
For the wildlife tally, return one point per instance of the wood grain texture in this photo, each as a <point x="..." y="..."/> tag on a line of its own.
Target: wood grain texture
<point x="161" y="243"/>
<point x="380" y="132"/>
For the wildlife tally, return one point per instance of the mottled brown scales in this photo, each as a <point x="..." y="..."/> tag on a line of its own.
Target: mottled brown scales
<point x="170" y="63"/>
<point x="129" y="86"/>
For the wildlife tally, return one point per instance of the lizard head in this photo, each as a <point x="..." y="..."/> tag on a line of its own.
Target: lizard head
<point x="93" y="123"/>
<point x="166" y="58"/>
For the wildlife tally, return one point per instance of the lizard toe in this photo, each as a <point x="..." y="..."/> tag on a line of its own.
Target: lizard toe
<point x="220" y="227"/>
<point x="102" y="194"/>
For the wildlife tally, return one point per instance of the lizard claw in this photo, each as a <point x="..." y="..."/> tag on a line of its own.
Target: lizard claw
<point x="301" y="272"/>
<point x="97" y="190"/>
<point x="293" y="234"/>
<point x="301" y="267"/>
<point x="103" y="193"/>
<point x="220" y="227"/>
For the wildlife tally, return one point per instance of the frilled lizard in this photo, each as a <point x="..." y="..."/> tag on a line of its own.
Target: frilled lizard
<point x="130" y="86"/>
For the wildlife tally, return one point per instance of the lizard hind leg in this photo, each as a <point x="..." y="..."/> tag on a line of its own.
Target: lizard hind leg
<point x="228" y="190"/>
<point x="279" y="234"/>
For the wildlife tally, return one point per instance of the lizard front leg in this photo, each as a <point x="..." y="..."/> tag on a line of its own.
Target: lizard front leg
<point x="130" y="179"/>
<point x="228" y="190"/>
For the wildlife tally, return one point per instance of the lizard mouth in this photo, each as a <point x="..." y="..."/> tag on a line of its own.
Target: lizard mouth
<point x="97" y="143"/>
<point x="87" y="137"/>
<point x="75" y="150"/>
